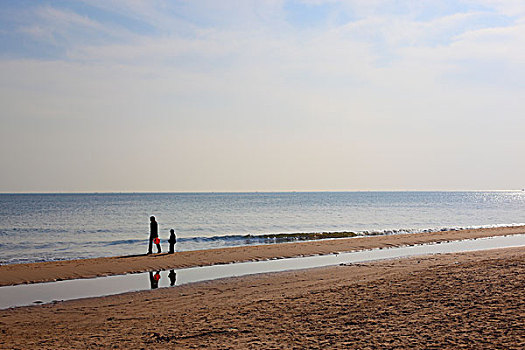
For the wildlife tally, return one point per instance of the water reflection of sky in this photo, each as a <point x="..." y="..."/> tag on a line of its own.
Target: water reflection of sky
<point x="75" y="289"/>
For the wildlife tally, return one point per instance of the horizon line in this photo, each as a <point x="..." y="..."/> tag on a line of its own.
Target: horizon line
<point x="258" y="191"/>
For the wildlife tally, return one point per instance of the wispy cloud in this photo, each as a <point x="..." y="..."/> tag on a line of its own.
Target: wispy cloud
<point x="377" y="86"/>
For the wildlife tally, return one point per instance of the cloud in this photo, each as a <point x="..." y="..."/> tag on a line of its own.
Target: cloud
<point x="228" y="94"/>
<point x="505" y="7"/>
<point x="52" y="22"/>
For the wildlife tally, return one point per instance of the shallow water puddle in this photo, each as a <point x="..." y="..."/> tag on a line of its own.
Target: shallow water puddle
<point x="21" y="295"/>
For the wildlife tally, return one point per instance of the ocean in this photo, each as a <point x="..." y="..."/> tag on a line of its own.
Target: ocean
<point x="45" y="227"/>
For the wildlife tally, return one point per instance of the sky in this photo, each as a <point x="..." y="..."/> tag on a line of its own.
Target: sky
<point x="182" y="96"/>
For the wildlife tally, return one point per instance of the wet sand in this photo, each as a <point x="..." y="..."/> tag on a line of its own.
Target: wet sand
<point x="470" y="300"/>
<point x="60" y="270"/>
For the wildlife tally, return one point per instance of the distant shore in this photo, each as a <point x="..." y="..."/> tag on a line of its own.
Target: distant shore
<point x="87" y="268"/>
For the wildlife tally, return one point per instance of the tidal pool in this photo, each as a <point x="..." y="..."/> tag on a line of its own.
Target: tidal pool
<point x="39" y="293"/>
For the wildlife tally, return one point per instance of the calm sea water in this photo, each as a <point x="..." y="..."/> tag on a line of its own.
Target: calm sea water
<point x="43" y="227"/>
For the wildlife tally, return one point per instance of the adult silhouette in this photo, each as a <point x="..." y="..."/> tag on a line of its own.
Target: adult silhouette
<point x="153" y="233"/>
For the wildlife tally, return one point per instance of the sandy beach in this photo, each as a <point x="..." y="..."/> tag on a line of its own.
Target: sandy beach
<point x="465" y="300"/>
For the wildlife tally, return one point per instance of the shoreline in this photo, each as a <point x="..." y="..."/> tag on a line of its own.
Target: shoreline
<point x="446" y="301"/>
<point x="97" y="267"/>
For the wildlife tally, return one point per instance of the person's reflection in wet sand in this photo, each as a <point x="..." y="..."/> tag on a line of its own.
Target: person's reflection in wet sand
<point x="173" y="277"/>
<point x="154" y="279"/>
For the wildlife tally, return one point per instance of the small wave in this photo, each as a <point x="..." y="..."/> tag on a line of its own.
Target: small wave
<point x="300" y="236"/>
<point x="122" y="241"/>
<point x="31" y="231"/>
<point x="38" y="259"/>
<point x="268" y="238"/>
<point x="95" y="231"/>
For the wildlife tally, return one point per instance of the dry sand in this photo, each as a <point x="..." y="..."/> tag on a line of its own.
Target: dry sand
<point x="60" y="270"/>
<point x="470" y="300"/>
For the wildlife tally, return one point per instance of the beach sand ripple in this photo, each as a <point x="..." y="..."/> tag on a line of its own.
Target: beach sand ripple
<point x="469" y="300"/>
